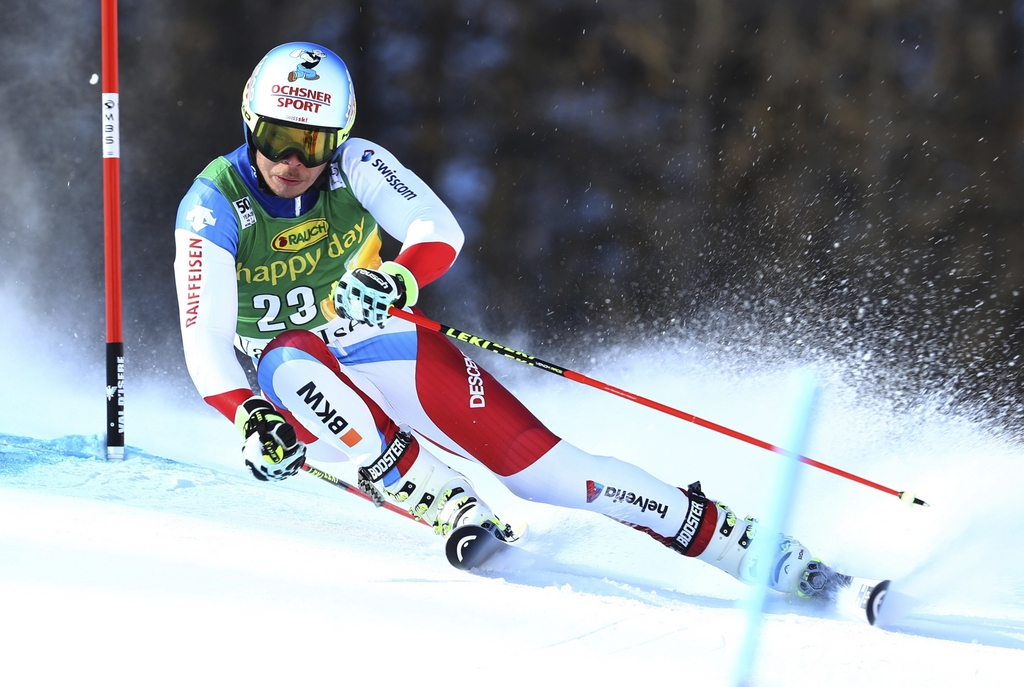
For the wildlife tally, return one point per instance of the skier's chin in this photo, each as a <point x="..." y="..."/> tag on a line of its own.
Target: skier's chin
<point x="289" y="189"/>
<point x="292" y="186"/>
<point x="288" y="178"/>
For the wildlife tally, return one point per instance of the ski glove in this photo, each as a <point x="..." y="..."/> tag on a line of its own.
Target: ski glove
<point x="271" y="450"/>
<point x="364" y="295"/>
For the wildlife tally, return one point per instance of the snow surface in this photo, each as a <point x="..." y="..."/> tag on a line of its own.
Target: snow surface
<point x="174" y="567"/>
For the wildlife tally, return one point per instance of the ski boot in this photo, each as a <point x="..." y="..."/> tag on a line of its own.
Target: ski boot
<point x="820" y="582"/>
<point x="712" y="533"/>
<point x="459" y="505"/>
<point x="430" y="490"/>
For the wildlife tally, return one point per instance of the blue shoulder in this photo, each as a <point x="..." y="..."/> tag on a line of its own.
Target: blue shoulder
<point x="206" y="212"/>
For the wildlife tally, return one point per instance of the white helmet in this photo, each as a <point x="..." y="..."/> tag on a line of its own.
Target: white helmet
<point x="299" y="100"/>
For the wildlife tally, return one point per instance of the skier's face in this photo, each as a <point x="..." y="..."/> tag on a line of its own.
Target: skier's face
<point x="287" y="178"/>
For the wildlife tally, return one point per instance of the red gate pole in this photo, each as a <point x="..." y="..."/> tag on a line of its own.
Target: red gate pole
<point x="112" y="232"/>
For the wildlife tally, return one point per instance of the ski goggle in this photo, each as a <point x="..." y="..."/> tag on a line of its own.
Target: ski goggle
<point x="314" y="146"/>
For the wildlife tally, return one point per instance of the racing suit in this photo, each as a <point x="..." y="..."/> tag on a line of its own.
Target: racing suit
<point x="255" y="272"/>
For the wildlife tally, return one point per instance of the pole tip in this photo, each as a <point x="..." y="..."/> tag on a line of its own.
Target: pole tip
<point x="910" y="498"/>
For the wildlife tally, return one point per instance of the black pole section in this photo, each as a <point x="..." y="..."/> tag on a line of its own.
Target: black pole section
<point x="356" y="491"/>
<point x="115" y="401"/>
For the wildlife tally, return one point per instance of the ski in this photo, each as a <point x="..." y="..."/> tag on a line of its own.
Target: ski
<point x="868" y="596"/>
<point x="861" y="597"/>
<point x="470" y="546"/>
<point x="467" y="547"/>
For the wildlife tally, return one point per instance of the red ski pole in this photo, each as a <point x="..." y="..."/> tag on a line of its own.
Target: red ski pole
<point x="345" y="486"/>
<point x="908" y="497"/>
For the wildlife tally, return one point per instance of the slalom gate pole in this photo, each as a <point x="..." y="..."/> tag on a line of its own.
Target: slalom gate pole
<point x="345" y="486"/>
<point x="112" y="232"/>
<point x="776" y="519"/>
<point x="908" y="497"/>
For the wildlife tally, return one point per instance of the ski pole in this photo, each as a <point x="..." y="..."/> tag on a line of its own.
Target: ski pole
<point x="345" y="486"/>
<point x="908" y="497"/>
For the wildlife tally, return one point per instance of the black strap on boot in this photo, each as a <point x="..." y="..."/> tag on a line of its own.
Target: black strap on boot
<point x="695" y="513"/>
<point x="375" y="471"/>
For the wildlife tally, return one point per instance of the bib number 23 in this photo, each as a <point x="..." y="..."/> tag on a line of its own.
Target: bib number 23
<point x="300" y="301"/>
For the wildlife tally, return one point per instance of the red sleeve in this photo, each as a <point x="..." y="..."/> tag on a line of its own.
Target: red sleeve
<point x="427" y="261"/>
<point x="228" y="402"/>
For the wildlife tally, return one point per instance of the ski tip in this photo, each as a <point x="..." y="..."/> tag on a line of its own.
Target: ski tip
<point x="470" y="546"/>
<point x="875" y="599"/>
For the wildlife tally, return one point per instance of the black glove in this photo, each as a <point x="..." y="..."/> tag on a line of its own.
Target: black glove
<point x="271" y="450"/>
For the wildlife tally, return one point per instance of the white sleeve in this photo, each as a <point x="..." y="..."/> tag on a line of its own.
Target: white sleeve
<point x="403" y="205"/>
<point x="204" y="274"/>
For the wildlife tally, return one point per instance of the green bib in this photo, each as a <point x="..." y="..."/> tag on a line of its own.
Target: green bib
<point x="286" y="267"/>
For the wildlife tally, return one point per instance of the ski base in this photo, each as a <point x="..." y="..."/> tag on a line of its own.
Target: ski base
<point x="470" y="546"/>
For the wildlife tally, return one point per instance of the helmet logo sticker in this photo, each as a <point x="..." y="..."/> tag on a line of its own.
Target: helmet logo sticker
<point x="306" y="68"/>
<point x="300" y="98"/>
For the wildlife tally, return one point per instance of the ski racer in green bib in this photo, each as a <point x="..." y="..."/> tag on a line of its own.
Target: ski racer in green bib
<point x="278" y="256"/>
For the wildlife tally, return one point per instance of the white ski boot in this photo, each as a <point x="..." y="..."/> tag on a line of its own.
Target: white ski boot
<point x="430" y="490"/>
<point x="727" y="545"/>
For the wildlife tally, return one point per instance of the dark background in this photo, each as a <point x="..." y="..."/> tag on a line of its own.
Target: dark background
<point x="833" y="181"/>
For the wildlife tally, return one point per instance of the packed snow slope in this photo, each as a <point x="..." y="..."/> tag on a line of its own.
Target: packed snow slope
<point x="175" y="567"/>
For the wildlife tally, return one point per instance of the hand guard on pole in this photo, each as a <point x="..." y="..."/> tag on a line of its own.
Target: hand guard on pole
<point x="365" y="295"/>
<point x="271" y="450"/>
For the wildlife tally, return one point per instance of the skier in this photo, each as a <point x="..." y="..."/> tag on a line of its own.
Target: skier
<point x="278" y="254"/>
